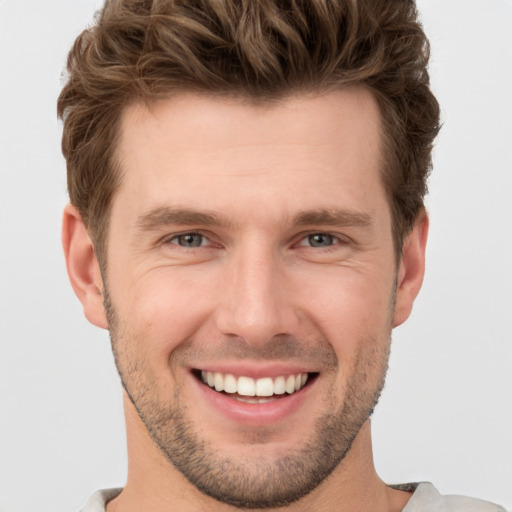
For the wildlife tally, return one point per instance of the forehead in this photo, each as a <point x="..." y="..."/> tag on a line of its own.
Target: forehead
<point x="201" y="148"/>
<point x="208" y="119"/>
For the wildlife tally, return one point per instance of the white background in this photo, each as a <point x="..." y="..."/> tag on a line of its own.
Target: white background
<point x="446" y="413"/>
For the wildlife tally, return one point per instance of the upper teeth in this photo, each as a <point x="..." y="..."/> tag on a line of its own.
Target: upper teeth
<point x="246" y="386"/>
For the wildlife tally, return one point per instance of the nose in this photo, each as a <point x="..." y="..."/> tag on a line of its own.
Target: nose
<point x="255" y="300"/>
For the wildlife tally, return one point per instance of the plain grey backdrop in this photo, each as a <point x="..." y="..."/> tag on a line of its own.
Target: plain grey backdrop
<point x="446" y="412"/>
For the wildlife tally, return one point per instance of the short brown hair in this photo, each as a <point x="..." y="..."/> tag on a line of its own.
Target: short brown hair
<point x="142" y="50"/>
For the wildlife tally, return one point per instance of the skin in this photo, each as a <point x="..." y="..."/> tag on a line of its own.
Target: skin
<point x="257" y="296"/>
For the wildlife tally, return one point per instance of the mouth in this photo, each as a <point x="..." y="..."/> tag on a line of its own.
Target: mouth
<point x="254" y="391"/>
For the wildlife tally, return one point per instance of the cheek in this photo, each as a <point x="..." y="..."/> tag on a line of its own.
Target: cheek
<point x="355" y="316"/>
<point x="349" y="308"/>
<point x="162" y="309"/>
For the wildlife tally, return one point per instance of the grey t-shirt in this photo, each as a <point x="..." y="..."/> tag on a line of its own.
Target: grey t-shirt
<point x="425" y="498"/>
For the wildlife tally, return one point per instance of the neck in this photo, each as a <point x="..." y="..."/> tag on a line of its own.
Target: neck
<point x="154" y="484"/>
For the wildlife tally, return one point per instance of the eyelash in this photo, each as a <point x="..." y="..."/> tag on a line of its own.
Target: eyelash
<point x="336" y="240"/>
<point x="171" y="239"/>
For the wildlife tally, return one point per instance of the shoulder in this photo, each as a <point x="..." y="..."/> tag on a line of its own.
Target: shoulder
<point x="98" y="501"/>
<point x="426" y="498"/>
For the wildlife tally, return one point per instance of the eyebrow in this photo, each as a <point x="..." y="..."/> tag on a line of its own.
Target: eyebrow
<point x="333" y="217"/>
<point x="165" y="216"/>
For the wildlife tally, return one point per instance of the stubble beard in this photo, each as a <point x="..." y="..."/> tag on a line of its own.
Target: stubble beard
<point x="255" y="482"/>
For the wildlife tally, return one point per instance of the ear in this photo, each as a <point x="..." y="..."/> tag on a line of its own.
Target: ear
<point x="83" y="268"/>
<point x="411" y="270"/>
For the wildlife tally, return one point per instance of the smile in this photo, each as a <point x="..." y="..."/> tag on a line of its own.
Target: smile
<point x="247" y="389"/>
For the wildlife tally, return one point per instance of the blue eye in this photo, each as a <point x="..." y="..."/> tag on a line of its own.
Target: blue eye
<point x="321" y="240"/>
<point x="189" y="240"/>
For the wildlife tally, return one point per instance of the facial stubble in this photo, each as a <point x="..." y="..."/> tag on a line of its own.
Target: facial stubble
<point x="252" y="482"/>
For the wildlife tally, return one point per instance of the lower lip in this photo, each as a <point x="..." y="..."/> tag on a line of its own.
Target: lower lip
<point x="255" y="413"/>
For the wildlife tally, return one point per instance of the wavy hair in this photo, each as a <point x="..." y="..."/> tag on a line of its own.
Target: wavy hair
<point x="143" y="50"/>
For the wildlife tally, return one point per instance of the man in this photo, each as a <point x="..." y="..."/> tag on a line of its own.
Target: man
<point x="246" y="184"/>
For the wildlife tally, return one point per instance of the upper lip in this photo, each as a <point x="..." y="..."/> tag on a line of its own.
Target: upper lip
<point x="259" y="371"/>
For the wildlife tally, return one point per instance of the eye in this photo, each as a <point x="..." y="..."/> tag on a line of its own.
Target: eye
<point x="319" y="240"/>
<point x="189" y="240"/>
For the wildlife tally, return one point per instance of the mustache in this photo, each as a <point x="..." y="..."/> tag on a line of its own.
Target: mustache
<point x="281" y="347"/>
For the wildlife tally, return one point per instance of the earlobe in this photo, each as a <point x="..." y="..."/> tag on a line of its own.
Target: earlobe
<point x="411" y="269"/>
<point x="83" y="268"/>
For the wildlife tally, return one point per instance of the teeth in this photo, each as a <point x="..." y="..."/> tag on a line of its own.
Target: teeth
<point x="290" y="384"/>
<point x="279" y="383"/>
<point x="254" y="399"/>
<point x="230" y="384"/>
<point x="248" y="387"/>
<point x="264" y="387"/>
<point x="218" y="379"/>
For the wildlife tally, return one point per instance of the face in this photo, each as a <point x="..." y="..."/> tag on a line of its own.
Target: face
<point x="251" y="285"/>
